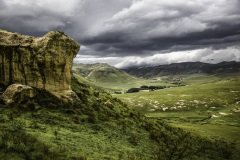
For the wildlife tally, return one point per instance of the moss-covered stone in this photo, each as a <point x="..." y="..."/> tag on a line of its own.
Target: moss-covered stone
<point x="41" y="62"/>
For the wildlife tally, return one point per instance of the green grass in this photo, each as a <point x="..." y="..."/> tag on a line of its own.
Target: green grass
<point x="134" y="83"/>
<point x="71" y="138"/>
<point x="229" y="133"/>
<point x="110" y="78"/>
<point x="103" y="75"/>
<point x="208" y="106"/>
<point x="215" y="95"/>
<point x="98" y="127"/>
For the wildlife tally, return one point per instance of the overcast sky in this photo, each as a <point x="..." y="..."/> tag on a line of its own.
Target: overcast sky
<point x="134" y="32"/>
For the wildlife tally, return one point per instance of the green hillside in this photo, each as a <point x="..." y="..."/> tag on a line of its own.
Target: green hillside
<point x="110" y="78"/>
<point x="208" y="106"/>
<point x="98" y="127"/>
<point x="104" y="75"/>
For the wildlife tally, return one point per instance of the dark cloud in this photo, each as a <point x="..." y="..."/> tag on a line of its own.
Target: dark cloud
<point x="35" y="17"/>
<point x="118" y="28"/>
<point x="209" y="55"/>
<point x="170" y="26"/>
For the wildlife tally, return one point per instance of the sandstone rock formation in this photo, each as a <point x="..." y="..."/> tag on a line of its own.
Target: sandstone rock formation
<point x="18" y="93"/>
<point x="41" y="62"/>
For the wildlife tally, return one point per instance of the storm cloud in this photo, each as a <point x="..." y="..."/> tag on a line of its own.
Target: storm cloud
<point x="207" y="55"/>
<point x="150" y="25"/>
<point x="125" y="30"/>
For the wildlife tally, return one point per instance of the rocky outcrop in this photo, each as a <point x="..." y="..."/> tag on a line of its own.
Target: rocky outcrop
<point x="18" y="94"/>
<point x="41" y="62"/>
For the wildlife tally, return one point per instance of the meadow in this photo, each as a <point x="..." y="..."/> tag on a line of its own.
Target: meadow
<point x="97" y="127"/>
<point x="208" y="106"/>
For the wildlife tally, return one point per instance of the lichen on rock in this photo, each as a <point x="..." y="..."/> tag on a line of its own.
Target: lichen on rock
<point x="41" y="62"/>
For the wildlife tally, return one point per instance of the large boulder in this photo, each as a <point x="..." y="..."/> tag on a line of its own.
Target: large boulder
<point x="41" y="62"/>
<point x="18" y="94"/>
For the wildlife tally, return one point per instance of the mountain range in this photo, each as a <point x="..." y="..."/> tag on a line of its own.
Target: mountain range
<point x="184" y="69"/>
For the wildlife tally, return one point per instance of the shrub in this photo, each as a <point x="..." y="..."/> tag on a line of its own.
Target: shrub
<point x="144" y="87"/>
<point x="156" y="87"/>
<point x="132" y="90"/>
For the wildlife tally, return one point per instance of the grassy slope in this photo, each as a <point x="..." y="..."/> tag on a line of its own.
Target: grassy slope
<point x="212" y="93"/>
<point x="207" y="106"/>
<point x="99" y="127"/>
<point x="110" y="78"/>
<point x="124" y="84"/>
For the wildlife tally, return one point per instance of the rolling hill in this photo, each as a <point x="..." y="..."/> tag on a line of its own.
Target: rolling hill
<point x="185" y="68"/>
<point x="105" y="76"/>
<point x="102" y="73"/>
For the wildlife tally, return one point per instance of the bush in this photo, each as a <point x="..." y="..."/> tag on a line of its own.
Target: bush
<point x="133" y="90"/>
<point x="156" y="87"/>
<point x="144" y="87"/>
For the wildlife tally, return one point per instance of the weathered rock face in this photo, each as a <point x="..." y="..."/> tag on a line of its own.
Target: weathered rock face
<point x="17" y="94"/>
<point x="43" y="62"/>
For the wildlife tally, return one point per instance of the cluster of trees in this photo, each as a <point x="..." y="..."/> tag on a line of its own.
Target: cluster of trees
<point x="150" y="88"/>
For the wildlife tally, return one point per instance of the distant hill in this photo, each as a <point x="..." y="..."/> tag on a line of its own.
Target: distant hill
<point x="102" y="73"/>
<point x="185" y="68"/>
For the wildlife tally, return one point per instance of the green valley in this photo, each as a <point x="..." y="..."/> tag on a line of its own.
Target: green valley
<point x="111" y="78"/>
<point x="207" y="105"/>
<point x="49" y="111"/>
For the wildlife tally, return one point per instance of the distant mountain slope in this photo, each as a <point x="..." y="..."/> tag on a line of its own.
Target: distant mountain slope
<point x="102" y="73"/>
<point x="185" y="68"/>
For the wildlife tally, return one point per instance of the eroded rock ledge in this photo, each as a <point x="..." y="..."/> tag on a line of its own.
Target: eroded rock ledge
<point x="41" y="62"/>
